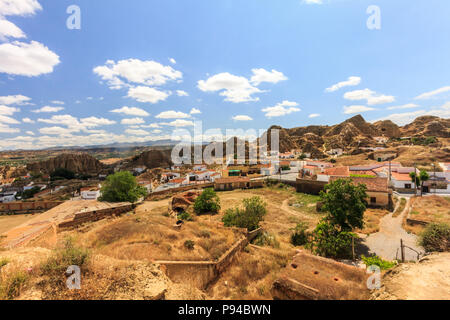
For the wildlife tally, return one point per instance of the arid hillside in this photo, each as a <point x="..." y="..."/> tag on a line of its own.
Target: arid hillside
<point x="76" y="162"/>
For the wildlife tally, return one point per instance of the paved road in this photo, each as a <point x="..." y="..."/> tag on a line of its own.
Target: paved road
<point x="386" y="242"/>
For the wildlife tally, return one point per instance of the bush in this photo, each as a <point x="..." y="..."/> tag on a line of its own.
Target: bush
<point x="12" y="286"/>
<point x="189" y="244"/>
<point x="62" y="173"/>
<point x="328" y="241"/>
<point x="27" y="194"/>
<point x="249" y="217"/>
<point x="122" y="187"/>
<point x="300" y="235"/>
<point x="266" y="239"/>
<point x="436" y="237"/>
<point x="67" y="256"/>
<point x="207" y="202"/>
<point x="377" y="261"/>
<point x="185" y="216"/>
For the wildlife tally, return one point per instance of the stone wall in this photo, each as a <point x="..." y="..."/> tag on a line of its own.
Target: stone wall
<point x="171" y="191"/>
<point x="25" y="206"/>
<point x="310" y="186"/>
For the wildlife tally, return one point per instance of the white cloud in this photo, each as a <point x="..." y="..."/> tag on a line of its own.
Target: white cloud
<point x="147" y="94"/>
<point x="151" y="125"/>
<point x="195" y="111"/>
<point x="313" y="1"/>
<point x="96" y="122"/>
<point x="172" y="60"/>
<point x="430" y="94"/>
<point x="281" y="109"/>
<point x="314" y="115"/>
<point x="8" y="120"/>
<point x="125" y="72"/>
<point x="10" y="30"/>
<point x="242" y="118"/>
<point x="356" y="109"/>
<point x="31" y="133"/>
<point x="138" y="132"/>
<point x="8" y="111"/>
<point x="58" y="102"/>
<point x="182" y="93"/>
<point x="55" y="130"/>
<point x="16" y="99"/>
<point x="156" y="131"/>
<point x="179" y="123"/>
<point x="261" y="75"/>
<point x="171" y="114"/>
<point x="132" y="121"/>
<point x="47" y="109"/>
<point x="236" y="89"/>
<point x="28" y="120"/>
<point x="351" y="81"/>
<point x="75" y="125"/>
<point x="132" y="111"/>
<point x="405" y="106"/>
<point x="371" y="96"/>
<point x="19" y="7"/>
<point x="4" y="128"/>
<point x="27" y="59"/>
<point x="407" y="117"/>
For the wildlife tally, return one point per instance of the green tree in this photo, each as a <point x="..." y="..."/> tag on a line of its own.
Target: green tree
<point x="253" y="212"/>
<point x="423" y="176"/>
<point x="415" y="179"/>
<point x="207" y="202"/>
<point x="345" y="203"/>
<point x="62" y="173"/>
<point x="121" y="187"/>
<point x="27" y="194"/>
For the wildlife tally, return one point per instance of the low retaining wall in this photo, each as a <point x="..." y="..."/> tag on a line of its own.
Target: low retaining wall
<point x="310" y="186"/>
<point x="202" y="273"/>
<point x="95" y="215"/>
<point x="179" y="189"/>
<point x="25" y="206"/>
<point x="413" y="222"/>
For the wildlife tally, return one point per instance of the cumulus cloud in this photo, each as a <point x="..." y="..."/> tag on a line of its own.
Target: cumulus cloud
<point x="314" y="115"/>
<point x="430" y="94"/>
<point x="351" y="81"/>
<point x="137" y="132"/>
<point x="182" y="93"/>
<point x="407" y="117"/>
<point x="48" y="109"/>
<point x="8" y="111"/>
<point x="8" y="120"/>
<point x="132" y="121"/>
<point x="313" y="1"/>
<point x="237" y="88"/>
<point x="171" y="114"/>
<point x="179" y="123"/>
<point x="74" y="124"/>
<point x="131" y="111"/>
<point x="16" y="99"/>
<point x="147" y="94"/>
<point x="4" y="128"/>
<point x="281" y="109"/>
<point x="195" y="111"/>
<point x="372" y="97"/>
<point x="135" y="71"/>
<point x="27" y="59"/>
<point x="241" y="117"/>
<point x="31" y="133"/>
<point x="19" y="7"/>
<point x="261" y="75"/>
<point x="404" y="106"/>
<point x="151" y="125"/>
<point x="356" y="109"/>
<point x="28" y="120"/>
<point x="58" y="102"/>
<point x="10" y="30"/>
<point x="172" y="60"/>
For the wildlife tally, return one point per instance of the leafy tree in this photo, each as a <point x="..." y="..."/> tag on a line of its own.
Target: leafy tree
<point x="436" y="237"/>
<point x="62" y="173"/>
<point x="249" y="217"/>
<point x="423" y="175"/>
<point x="345" y="203"/>
<point x="121" y="187"/>
<point x="27" y="194"/>
<point x="207" y="202"/>
<point x="300" y="235"/>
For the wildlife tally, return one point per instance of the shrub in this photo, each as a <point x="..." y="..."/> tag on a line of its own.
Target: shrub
<point x="64" y="257"/>
<point x="249" y="217"/>
<point x="62" y="173"/>
<point x="266" y="239"/>
<point x="186" y="216"/>
<point x="300" y="235"/>
<point x="328" y="241"/>
<point x="207" y="202"/>
<point x="189" y="244"/>
<point x="377" y="261"/>
<point x="436" y="237"/>
<point x="12" y="286"/>
<point x="3" y="262"/>
<point x="122" y="187"/>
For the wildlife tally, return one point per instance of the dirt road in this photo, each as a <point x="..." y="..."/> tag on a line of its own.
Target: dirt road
<point x="386" y="242"/>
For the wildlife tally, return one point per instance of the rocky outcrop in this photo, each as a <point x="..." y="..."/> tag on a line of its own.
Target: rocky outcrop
<point x="81" y="163"/>
<point x="428" y="126"/>
<point x="152" y="159"/>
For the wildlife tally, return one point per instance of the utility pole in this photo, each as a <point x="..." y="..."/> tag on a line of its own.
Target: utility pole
<point x="415" y="180"/>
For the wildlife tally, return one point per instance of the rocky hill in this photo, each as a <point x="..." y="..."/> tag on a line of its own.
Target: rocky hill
<point x="152" y="159"/>
<point x="77" y="162"/>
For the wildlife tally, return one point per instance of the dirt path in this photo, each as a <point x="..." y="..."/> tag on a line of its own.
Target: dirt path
<point x="386" y="242"/>
<point x="287" y="208"/>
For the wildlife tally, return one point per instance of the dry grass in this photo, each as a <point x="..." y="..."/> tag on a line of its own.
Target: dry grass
<point x="428" y="209"/>
<point x="372" y="218"/>
<point x="9" y="222"/>
<point x="400" y="208"/>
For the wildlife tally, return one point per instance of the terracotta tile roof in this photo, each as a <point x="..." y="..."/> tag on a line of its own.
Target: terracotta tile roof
<point x="180" y="180"/>
<point x="401" y="176"/>
<point x="366" y="172"/>
<point x="233" y="180"/>
<point x="372" y="184"/>
<point x="338" y="171"/>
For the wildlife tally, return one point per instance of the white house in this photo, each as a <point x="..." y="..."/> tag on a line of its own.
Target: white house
<point x="90" y="193"/>
<point x="8" y="196"/>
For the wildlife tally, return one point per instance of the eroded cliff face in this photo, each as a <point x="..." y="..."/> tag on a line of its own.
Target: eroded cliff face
<point x="77" y="162"/>
<point x="153" y="159"/>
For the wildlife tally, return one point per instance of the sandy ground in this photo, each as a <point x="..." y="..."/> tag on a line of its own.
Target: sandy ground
<point x="386" y="242"/>
<point x="9" y="222"/>
<point x="427" y="280"/>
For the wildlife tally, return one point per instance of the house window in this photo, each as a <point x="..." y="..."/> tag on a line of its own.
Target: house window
<point x="373" y="200"/>
<point x="407" y="185"/>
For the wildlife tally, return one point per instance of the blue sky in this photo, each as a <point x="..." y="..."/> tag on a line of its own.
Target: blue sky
<point x="137" y="70"/>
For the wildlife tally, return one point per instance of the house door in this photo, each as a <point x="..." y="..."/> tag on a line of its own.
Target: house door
<point x="425" y="189"/>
